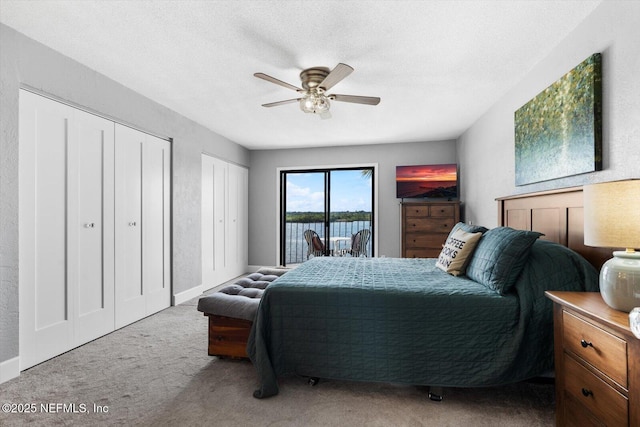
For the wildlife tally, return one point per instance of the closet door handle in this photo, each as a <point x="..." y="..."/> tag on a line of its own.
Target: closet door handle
<point x="132" y="224"/>
<point x="89" y="225"/>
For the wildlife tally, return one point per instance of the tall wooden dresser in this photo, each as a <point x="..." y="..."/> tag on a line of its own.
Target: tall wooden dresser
<point x="597" y="362"/>
<point x="425" y="227"/>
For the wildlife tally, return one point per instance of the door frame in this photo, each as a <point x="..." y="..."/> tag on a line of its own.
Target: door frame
<point x="310" y="168"/>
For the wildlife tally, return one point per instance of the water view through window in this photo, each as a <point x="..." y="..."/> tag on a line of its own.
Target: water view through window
<point x="335" y="204"/>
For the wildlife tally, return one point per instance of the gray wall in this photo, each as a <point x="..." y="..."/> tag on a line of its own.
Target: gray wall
<point x="263" y="189"/>
<point x="486" y="150"/>
<point x="26" y="62"/>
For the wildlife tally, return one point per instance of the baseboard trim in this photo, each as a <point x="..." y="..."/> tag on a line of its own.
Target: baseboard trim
<point x="187" y="295"/>
<point x="9" y="369"/>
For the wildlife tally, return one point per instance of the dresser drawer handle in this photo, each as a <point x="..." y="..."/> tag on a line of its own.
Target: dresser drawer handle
<point x="585" y="344"/>
<point x="586" y="392"/>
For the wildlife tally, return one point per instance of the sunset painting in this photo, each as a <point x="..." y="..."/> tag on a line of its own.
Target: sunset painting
<point x="427" y="181"/>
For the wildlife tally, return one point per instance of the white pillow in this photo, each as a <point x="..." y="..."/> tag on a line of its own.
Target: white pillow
<point x="457" y="250"/>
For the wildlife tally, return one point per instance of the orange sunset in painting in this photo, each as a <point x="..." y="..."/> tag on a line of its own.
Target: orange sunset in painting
<point x="430" y="181"/>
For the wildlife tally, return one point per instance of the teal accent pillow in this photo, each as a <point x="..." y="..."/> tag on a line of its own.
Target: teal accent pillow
<point x="500" y="257"/>
<point x="469" y="228"/>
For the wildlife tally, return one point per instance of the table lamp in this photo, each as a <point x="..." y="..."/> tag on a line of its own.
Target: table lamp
<point x="612" y="219"/>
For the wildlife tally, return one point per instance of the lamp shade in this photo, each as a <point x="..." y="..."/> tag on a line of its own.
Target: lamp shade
<point x="612" y="214"/>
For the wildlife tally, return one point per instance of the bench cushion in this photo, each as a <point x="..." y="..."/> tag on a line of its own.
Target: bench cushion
<point x="240" y="300"/>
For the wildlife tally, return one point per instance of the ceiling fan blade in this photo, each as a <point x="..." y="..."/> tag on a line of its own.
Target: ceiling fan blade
<point x="288" y="101"/>
<point x="335" y="76"/>
<point x="369" y="100"/>
<point x="268" y="78"/>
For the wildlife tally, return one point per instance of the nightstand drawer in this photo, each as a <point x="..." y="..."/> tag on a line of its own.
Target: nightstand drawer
<point x="600" y="399"/>
<point x="604" y="351"/>
<point x="576" y="415"/>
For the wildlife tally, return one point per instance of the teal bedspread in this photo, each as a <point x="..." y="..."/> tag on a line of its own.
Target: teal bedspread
<point x="405" y="321"/>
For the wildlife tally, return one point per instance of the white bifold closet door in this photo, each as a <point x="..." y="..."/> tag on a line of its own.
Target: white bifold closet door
<point x="66" y="206"/>
<point x="238" y="225"/>
<point x="94" y="225"/>
<point x="141" y="224"/>
<point x="224" y="221"/>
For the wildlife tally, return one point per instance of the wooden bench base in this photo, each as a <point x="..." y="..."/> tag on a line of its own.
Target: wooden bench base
<point x="228" y="337"/>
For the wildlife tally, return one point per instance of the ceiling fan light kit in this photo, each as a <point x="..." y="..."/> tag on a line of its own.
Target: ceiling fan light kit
<point x="315" y="102"/>
<point x="315" y="82"/>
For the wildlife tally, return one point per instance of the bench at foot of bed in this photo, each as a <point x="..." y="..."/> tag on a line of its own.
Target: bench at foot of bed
<point x="231" y="312"/>
<point x="228" y="336"/>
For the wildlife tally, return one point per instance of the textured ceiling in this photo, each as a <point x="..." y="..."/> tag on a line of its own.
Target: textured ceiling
<point x="436" y="65"/>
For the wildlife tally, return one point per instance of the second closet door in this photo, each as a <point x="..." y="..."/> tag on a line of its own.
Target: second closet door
<point x="91" y="231"/>
<point x="237" y="233"/>
<point x="224" y="221"/>
<point x="141" y="225"/>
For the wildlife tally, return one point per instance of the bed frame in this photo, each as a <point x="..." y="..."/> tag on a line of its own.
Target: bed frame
<point x="559" y="214"/>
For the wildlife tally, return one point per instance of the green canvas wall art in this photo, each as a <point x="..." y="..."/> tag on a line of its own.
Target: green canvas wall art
<point x="559" y="132"/>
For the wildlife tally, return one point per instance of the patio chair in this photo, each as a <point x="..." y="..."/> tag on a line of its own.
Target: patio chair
<point x="359" y="243"/>
<point x="315" y="245"/>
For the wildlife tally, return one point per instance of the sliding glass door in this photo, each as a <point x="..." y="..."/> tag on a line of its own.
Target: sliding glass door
<point x="321" y="211"/>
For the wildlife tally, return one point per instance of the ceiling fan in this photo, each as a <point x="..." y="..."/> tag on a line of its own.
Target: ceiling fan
<point x="316" y="81"/>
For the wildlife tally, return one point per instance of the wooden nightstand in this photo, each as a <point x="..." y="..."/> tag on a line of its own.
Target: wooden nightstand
<point x="597" y="361"/>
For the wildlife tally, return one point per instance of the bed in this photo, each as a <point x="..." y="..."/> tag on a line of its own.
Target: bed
<point x="407" y="321"/>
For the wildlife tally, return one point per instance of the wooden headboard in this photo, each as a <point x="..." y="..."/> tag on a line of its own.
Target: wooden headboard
<point x="558" y="214"/>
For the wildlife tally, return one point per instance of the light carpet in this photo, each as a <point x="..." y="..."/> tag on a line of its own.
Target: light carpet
<point x="156" y="372"/>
